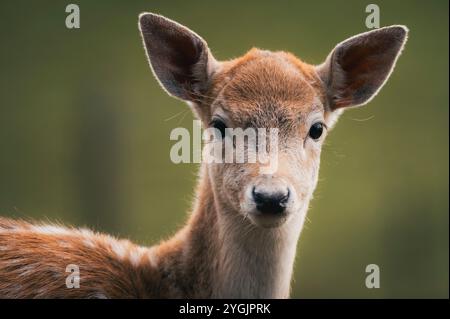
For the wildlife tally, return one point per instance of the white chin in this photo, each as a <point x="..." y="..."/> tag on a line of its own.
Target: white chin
<point x="268" y="221"/>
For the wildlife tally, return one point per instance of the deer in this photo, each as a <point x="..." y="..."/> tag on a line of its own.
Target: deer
<point x="240" y="238"/>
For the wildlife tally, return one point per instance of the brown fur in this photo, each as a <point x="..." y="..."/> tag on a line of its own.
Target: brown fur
<point x="33" y="265"/>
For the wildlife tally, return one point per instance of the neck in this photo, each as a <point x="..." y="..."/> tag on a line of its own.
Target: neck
<point x="220" y="254"/>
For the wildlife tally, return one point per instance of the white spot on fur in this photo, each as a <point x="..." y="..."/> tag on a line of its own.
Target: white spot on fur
<point x="152" y="258"/>
<point x="88" y="242"/>
<point x="51" y="230"/>
<point x="64" y="244"/>
<point x="27" y="270"/>
<point x="118" y="249"/>
<point x="42" y="291"/>
<point x="136" y="255"/>
<point x="86" y="232"/>
<point x="98" y="295"/>
<point x="16" y="261"/>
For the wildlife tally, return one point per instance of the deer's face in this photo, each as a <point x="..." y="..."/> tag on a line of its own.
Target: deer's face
<point x="269" y="90"/>
<point x="265" y="90"/>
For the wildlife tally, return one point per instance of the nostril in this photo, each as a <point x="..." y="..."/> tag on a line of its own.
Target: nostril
<point x="268" y="202"/>
<point x="285" y="197"/>
<point x="258" y="197"/>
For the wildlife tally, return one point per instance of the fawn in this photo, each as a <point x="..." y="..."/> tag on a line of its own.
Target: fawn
<point x="240" y="239"/>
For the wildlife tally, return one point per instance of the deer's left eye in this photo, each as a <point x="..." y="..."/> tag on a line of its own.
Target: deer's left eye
<point x="316" y="130"/>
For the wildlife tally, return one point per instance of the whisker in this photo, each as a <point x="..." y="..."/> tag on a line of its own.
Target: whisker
<point x="176" y="115"/>
<point x="364" y="119"/>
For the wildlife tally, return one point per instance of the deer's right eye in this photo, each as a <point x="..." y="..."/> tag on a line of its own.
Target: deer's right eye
<point x="220" y="126"/>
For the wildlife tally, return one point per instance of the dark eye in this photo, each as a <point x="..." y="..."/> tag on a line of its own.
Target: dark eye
<point x="220" y="126"/>
<point x="316" y="130"/>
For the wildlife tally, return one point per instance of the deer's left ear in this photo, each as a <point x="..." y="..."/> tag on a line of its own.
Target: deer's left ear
<point x="357" y="68"/>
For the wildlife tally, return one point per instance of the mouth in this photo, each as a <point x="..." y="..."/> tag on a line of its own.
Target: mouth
<point x="268" y="219"/>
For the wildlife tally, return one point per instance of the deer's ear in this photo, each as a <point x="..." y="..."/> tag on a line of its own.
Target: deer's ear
<point x="357" y="68"/>
<point x="179" y="58"/>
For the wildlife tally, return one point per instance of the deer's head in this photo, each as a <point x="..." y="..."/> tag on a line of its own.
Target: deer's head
<point x="266" y="89"/>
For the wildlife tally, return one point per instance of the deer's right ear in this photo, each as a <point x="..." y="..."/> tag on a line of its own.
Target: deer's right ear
<point x="179" y="58"/>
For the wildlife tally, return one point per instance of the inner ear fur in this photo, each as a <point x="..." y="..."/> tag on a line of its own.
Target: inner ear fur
<point x="358" y="67"/>
<point x="179" y="58"/>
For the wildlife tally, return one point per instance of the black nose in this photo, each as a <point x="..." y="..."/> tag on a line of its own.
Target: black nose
<point x="270" y="203"/>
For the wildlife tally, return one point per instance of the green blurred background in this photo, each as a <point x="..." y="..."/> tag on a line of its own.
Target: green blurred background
<point x="84" y="133"/>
